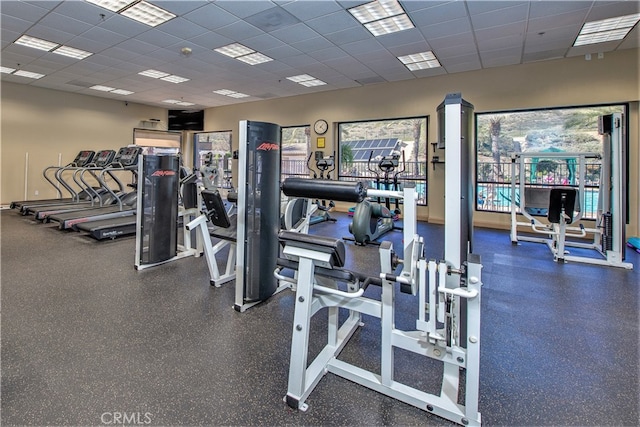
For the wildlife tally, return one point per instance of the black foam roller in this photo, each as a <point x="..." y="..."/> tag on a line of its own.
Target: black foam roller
<point x="340" y="191"/>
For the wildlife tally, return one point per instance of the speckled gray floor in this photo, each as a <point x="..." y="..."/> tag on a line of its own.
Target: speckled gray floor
<point x="85" y="336"/>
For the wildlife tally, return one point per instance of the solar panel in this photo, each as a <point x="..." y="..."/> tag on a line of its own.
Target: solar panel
<point x="361" y="148"/>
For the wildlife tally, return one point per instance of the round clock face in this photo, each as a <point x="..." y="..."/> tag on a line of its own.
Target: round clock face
<point x="320" y="127"/>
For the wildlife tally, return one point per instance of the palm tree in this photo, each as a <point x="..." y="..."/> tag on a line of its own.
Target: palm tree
<point x="495" y="145"/>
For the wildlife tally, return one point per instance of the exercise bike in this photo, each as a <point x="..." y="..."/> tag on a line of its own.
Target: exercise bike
<point x="372" y="219"/>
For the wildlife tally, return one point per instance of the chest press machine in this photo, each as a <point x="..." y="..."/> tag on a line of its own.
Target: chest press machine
<point x="448" y="325"/>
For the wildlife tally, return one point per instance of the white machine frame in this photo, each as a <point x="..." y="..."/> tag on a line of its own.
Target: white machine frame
<point x="210" y="250"/>
<point x="440" y="286"/>
<point x="609" y="201"/>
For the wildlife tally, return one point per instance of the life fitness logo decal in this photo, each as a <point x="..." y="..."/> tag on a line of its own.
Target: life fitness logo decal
<point x="163" y="173"/>
<point x="268" y="146"/>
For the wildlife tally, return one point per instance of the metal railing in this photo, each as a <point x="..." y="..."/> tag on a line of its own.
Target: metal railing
<point x="493" y="189"/>
<point x="415" y="172"/>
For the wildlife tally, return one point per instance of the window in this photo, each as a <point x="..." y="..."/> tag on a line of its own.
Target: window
<point x="295" y="151"/>
<point x="363" y="144"/>
<point x="557" y="130"/>
<point x="212" y="156"/>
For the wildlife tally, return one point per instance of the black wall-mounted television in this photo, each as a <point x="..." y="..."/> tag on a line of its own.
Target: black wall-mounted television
<point x="186" y="120"/>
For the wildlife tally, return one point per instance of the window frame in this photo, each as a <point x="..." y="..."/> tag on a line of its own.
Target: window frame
<point x="420" y="165"/>
<point x="506" y="209"/>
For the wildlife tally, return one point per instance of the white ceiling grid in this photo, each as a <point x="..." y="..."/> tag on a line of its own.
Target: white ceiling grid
<point x="316" y="37"/>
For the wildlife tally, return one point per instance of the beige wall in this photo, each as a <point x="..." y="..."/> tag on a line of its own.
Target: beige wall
<point x="565" y="82"/>
<point x="49" y="122"/>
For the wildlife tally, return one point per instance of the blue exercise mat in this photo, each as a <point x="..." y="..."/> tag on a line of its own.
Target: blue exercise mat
<point x="634" y="243"/>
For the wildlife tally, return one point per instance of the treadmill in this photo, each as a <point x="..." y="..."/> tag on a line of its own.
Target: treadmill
<point x="94" y="196"/>
<point x="125" y="204"/>
<point x="115" y="227"/>
<point x="109" y="228"/>
<point x="83" y="158"/>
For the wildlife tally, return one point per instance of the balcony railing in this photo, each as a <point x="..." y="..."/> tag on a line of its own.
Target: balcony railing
<point x="493" y="191"/>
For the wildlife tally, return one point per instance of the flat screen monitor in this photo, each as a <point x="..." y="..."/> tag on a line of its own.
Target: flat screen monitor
<point x="186" y="120"/>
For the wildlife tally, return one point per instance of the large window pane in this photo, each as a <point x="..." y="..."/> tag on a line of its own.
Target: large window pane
<point x="557" y="130"/>
<point x="359" y="142"/>
<point x="212" y="156"/>
<point x="295" y="151"/>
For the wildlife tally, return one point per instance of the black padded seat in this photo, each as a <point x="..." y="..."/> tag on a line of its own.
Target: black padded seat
<point x="329" y="245"/>
<point x="226" y="228"/>
<point x="562" y="200"/>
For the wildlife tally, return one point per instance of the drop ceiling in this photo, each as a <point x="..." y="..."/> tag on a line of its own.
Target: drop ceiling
<point x="319" y="38"/>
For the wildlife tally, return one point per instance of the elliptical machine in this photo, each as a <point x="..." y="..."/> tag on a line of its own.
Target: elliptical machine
<point x="299" y="214"/>
<point x="372" y="219"/>
<point x="323" y="164"/>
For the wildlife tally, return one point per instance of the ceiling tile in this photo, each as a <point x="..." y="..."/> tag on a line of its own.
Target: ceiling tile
<point x="22" y="10"/>
<point x="70" y="25"/>
<point x="311" y="45"/>
<point x="239" y="31"/>
<point x="442" y="13"/>
<point x="245" y="8"/>
<point x="500" y="17"/>
<point x="295" y="33"/>
<point x="181" y="28"/>
<point x="15" y="24"/>
<point x="210" y="16"/>
<point x="159" y="38"/>
<point x="333" y="22"/>
<point x="305" y="10"/>
<point x="348" y="35"/>
<point x="401" y="38"/>
<point x="445" y="29"/>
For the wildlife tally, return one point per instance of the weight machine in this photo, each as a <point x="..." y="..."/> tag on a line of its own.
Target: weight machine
<point x="158" y="211"/>
<point x="565" y="205"/>
<point x="448" y="325"/>
<point x="225" y="222"/>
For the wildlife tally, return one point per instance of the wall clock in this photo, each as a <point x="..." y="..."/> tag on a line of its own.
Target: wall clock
<point x="320" y="127"/>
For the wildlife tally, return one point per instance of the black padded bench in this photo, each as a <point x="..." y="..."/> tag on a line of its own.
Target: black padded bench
<point x="334" y="247"/>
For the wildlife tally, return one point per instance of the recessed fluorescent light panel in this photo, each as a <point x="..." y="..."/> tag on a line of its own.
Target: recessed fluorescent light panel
<point x="72" y="52"/>
<point x="176" y="102"/>
<point x="234" y="50"/>
<point x="153" y="73"/>
<point x="122" y="92"/>
<point x="163" y="76"/>
<point x="28" y="74"/>
<point x="36" y="43"/>
<point x="231" y="93"/>
<point x="174" y="79"/>
<point x="306" y="80"/>
<point x="48" y="46"/>
<point x="139" y="10"/>
<point x="7" y="70"/>
<point x="254" y="58"/>
<point x="420" y="61"/>
<point x="111" y="89"/>
<point x="606" y="30"/>
<point x="243" y="53"/>
<point x="112" y="5"/>
<point x="147" y="13"/>
<point x="102" y="88"/>
<point x="382" y="17"/>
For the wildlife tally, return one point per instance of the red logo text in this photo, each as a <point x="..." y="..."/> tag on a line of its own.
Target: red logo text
<point x="268" y="146"/>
